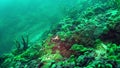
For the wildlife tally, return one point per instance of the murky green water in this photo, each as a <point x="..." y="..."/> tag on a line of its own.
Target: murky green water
<point x="19" y="17"/>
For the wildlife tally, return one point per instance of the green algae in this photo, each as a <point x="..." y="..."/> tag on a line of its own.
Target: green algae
<point x="79" y="48"/>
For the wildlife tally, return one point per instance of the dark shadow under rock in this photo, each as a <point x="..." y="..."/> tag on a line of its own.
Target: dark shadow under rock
<point x="113" y="35"/>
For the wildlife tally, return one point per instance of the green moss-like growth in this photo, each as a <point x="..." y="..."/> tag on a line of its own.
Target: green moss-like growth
<point x="79" y="48"/>
<point x="118" y="3"/>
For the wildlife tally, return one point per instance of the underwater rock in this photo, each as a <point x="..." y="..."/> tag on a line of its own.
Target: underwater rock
<point x="90" y="40"/>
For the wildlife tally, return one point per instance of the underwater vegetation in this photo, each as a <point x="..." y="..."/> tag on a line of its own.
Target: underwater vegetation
<point x="117" y="2"/>
<point x="21" y="45"/>
<point x="87" y="39"/>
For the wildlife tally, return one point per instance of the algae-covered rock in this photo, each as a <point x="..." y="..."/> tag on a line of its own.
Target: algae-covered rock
<point x="91" y="39"/>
